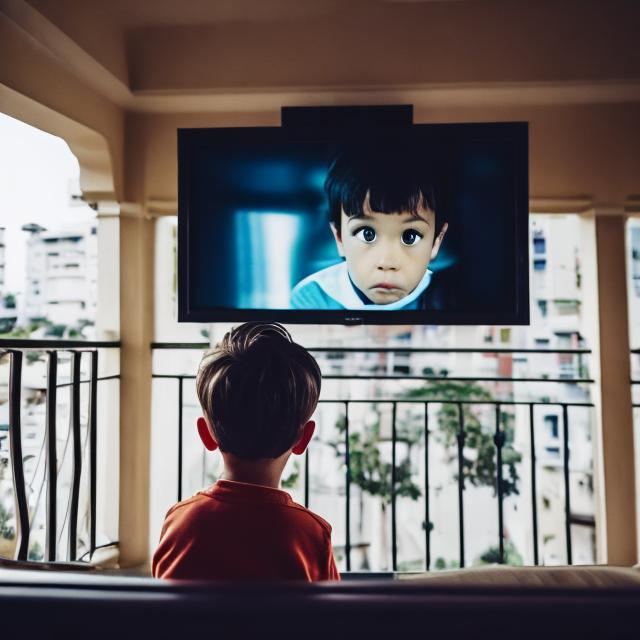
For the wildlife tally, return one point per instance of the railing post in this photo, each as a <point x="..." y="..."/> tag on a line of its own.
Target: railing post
<point x="534" y="495"/>
<point x="498" y="440"/>
<point x="93" y="449"/>
<point x="394" y="533"/>
<point x="74" y="419"/>
<point x="347" y="459"/>
<point x="52" y="457"/>
<point x="15" y="443"/>
<point x="461" y="439"/>
<point x="567" y="487"/>
<point x="180" y="400"/>
<point x="427" y="513"/>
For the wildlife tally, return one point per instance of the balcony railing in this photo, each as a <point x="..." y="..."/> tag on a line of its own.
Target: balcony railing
<point x="85" y="455"/>
<point x="460" y="403"/>
<point x="82" y="454"/>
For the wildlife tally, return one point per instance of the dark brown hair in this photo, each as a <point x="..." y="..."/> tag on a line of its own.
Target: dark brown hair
<point x="257" y="388"/>
<point x="392" y="176"/>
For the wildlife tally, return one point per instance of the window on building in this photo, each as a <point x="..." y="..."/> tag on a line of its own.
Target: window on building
<point x="539" y="245"/>
<point x="564" y="340"/>
<point x="539" y="264"/>
<point x="551" y="424"/>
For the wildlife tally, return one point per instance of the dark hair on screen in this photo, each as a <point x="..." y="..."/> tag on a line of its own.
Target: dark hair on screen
<point x="257" y="388"/>
<point x="395" y="177"/>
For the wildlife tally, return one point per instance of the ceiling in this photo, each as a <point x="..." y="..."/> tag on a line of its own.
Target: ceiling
<point x="135" y="52"/>
<point x="132" y="14"/>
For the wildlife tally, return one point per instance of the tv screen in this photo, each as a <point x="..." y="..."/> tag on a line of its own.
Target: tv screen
<point x="421" y="224"/>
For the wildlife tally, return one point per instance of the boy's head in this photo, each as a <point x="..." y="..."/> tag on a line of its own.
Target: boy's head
<point x="258" y="390"/>
<point x="383" y="217"/>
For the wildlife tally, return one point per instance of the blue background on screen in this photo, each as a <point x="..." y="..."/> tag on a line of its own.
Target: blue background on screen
<point x="259" y="222"/>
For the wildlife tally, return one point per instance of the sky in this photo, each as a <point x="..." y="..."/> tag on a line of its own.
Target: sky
<point x="37" y="171"/>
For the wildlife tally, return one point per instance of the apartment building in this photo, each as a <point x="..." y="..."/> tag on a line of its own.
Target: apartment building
<point x="8" y="303"/>
<point x="61" y="273"/>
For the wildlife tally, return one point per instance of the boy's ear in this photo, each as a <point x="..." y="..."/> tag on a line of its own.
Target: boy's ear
<point x="338" y="238"/>
<point x="307" y="432"/>
<point x="438" y="241"/>
<point x="206" y="435"/>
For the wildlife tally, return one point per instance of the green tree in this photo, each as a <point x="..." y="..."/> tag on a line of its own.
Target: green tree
<point x="36" y="552"/>
<point x="492" y="555"/>
<point x="479" y="452"/>
<point x="291" y="481"/>
<point x="368" y="470"/>
<point x="6" y="531"/>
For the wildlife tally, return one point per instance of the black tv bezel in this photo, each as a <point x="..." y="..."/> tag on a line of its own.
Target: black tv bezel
<point x="515" y="132"/>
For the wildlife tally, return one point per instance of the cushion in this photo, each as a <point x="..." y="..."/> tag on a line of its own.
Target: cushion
<point x="588" y="577"/>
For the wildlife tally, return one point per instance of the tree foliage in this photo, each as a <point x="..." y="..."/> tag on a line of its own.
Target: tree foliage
<point x="511" y="555"/>
<point x="368" y="469"/>
<point x="6" y="530"/>
<point x="372" y="473"/>
<point x="480" y="442"/>
<point x="291" y="481"/>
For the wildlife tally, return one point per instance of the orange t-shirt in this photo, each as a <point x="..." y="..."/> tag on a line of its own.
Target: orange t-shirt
<point x="240" y="531"/>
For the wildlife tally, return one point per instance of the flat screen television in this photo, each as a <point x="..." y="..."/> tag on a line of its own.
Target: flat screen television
<point x="392" y="223"/>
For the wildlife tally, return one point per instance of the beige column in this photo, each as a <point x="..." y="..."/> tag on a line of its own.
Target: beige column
<point x="136" y="331"/>
<point x="615" y="372"/>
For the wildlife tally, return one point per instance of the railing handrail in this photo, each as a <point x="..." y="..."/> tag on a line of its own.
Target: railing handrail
<point x="38" y="345"/>
<point x="430" y="378"/>
<point x="58" y="565"/>
<point x="398" y="349"/>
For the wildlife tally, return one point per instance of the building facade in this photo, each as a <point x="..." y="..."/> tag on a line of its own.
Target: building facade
<point x="61" y="273"/>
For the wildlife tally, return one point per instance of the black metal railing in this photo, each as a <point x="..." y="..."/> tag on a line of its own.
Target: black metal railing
<point x="499" y="441"/>
<point x="461" y="435"/>
<point x="15" y="350"/>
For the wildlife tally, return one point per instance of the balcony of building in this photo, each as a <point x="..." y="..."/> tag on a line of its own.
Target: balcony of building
<point x="493" y="444"/>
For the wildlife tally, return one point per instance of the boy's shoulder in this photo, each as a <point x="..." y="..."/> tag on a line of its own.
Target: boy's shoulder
<point x="200" y="504"/>
<point x="188" y="505"/>
<point x="324" y="525"/>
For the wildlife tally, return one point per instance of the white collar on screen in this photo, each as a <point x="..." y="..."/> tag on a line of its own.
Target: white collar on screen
<point x="335" y="282"/>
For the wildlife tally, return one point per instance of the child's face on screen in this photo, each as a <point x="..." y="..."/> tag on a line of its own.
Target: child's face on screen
<point x="387" y="254"/>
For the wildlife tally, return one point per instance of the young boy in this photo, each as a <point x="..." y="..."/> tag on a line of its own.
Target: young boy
<point x="382" y="211"/>
<point x="258" y="390"/>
